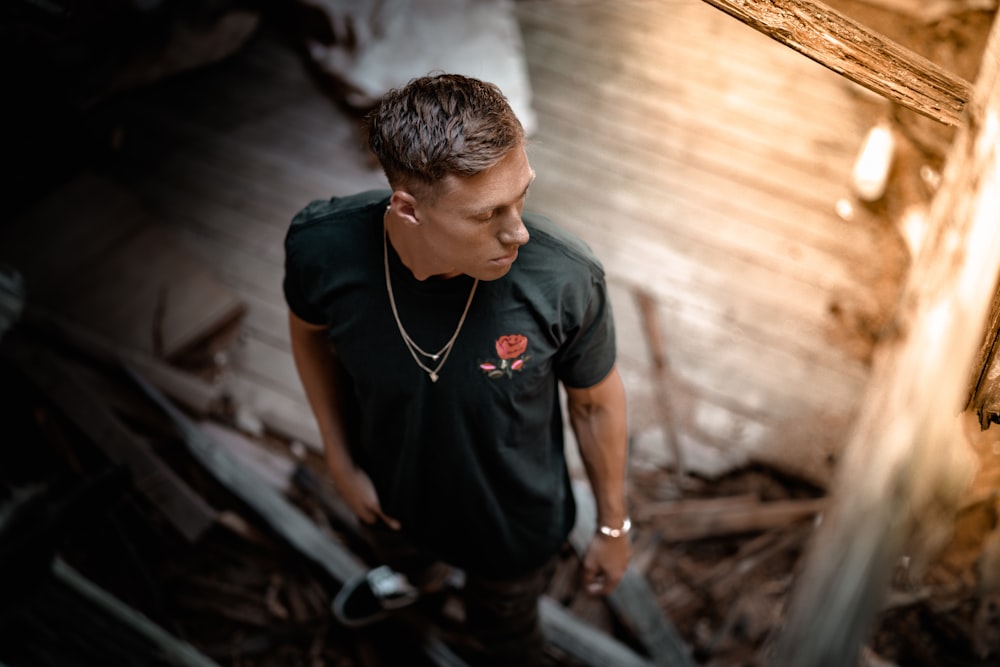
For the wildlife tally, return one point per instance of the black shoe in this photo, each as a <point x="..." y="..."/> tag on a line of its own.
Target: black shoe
<point x="372" y="596"/>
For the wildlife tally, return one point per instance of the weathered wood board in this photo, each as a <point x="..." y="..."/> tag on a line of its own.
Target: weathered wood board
<point x="92" y="255"/>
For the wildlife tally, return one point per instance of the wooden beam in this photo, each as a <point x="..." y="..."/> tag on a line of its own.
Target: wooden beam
<point x="906" y="463"/>
<point x="582" y="642"/>
<point x="280" y="515"/>
<point x="104" y="609"/>
<point x="702" y="518"/>
<point x="858" y="53"/>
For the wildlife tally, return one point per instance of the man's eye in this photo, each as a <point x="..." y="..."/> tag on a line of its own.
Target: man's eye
<point x="486" y="217"/>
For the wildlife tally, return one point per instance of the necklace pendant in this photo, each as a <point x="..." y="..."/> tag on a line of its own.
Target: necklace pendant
<point x="415" y="350"/>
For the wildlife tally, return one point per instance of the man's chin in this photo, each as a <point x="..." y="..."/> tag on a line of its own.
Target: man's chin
<point x="494" y="273"/>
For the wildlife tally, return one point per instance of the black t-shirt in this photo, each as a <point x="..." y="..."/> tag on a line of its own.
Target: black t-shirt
<point x="472" y="465"/>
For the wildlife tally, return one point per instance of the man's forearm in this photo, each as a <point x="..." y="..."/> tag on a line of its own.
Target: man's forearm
<point x="317" y="366"/>
<point x="599" y="420"/>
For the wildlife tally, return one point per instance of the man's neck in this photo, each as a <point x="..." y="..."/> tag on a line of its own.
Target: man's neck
<point x="408" y="246"/>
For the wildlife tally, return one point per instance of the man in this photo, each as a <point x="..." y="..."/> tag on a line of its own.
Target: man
<point x="431" y="338"/>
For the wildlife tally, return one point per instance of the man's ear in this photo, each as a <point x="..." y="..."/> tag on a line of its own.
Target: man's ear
<point x="404" y="205"/>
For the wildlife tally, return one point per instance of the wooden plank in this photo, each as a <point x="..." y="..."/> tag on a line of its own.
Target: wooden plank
<point x="702" y="278"/>
<point x="181" y="505"/>
<point x="632" y="601"/>
<point x="281" y="516"/>
<point x="904" y="468"/>
<point x="647" y="130"/>
<point x="641" y="119"/>
<point x="167" y="649"/>
<point x="235" y="266"/>
<point x="67" y="230"/>
<point x="733" y="146"/>
<point x="325" y="493"/>
<point x="685" y="274"/>
<point x="285" y="415"/>
<point x="694" y="38"/>
<point x="579" y="640"/>
<point x="232" y="175"/>
<point x="197" y="395"/>
<point x="231" y="219"/>
<point x="666" y="411"/>
<point x="104" y="264"/>
<point x="686" y="520"/>
<point x="269" y="366"/>
<point x="150" y="294"/>
<point x="608" y="42"/>
<point x="272" y="468"/>
<point x="762" y="225"/>
<point x="861" y="55"/>
<point x="267" y="319"/>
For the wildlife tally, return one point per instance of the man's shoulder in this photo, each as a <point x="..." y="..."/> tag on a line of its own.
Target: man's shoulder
<point x="351" y="207"/>
<point x="557" y="247"/>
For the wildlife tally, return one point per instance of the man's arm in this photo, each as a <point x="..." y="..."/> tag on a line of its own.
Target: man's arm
<point x="599" y="420"/>
<point x="319" y="370"/>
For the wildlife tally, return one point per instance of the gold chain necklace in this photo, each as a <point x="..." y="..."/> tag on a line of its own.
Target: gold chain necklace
<point x="411" y="345"/>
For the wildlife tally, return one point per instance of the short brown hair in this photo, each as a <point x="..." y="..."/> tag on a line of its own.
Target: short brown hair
<point x="439" y="125"/>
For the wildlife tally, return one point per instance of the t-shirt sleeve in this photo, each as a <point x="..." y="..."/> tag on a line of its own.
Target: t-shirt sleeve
<point x="302" y="275"/>
<point x="589" y="353"/>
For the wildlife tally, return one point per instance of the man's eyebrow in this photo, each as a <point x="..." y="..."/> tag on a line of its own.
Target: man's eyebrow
<point x="486" y="209"/>
<point x="528" y="186"/>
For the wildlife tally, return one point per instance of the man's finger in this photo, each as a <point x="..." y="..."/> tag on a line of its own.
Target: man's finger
<point x="389" y="521"/>
<point x="595" y="584"/>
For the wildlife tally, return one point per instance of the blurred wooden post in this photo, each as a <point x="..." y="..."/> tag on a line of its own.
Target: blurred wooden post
<point x="901" y="475"/>
<point x="662" y="386"/>
<point x="865" y="57"/>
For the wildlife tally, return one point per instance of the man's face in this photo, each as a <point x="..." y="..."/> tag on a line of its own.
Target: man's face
<point x="474" y="226"/>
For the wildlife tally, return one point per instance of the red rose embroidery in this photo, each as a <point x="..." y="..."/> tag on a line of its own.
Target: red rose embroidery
<point x="511" y="346"/>
<point x="511" y="350"/>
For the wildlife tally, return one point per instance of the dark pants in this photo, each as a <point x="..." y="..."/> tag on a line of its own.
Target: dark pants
<point x="501" y="615"/>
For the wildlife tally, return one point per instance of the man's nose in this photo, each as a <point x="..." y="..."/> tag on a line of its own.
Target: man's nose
<point x="514" y="232"/>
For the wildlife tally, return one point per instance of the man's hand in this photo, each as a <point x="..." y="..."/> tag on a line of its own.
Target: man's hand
<point x="359" y="493"/>
<point x="598" y="417"/>
<point x="320" y="370"/>
<point x="605" y="563"/>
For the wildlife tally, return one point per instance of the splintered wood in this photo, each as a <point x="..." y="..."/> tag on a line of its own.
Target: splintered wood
<point x="863" y="56"/>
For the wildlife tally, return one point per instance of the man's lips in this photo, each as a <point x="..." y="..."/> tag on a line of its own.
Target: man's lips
<point x="506" y="259"/>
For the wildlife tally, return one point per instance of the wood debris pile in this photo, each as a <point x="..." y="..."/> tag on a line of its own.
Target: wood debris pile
<point x="132" y="530"/>
<point x="723" y="557"/>
<point x="96" y="488"/>
<point x="138" y="533"/>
